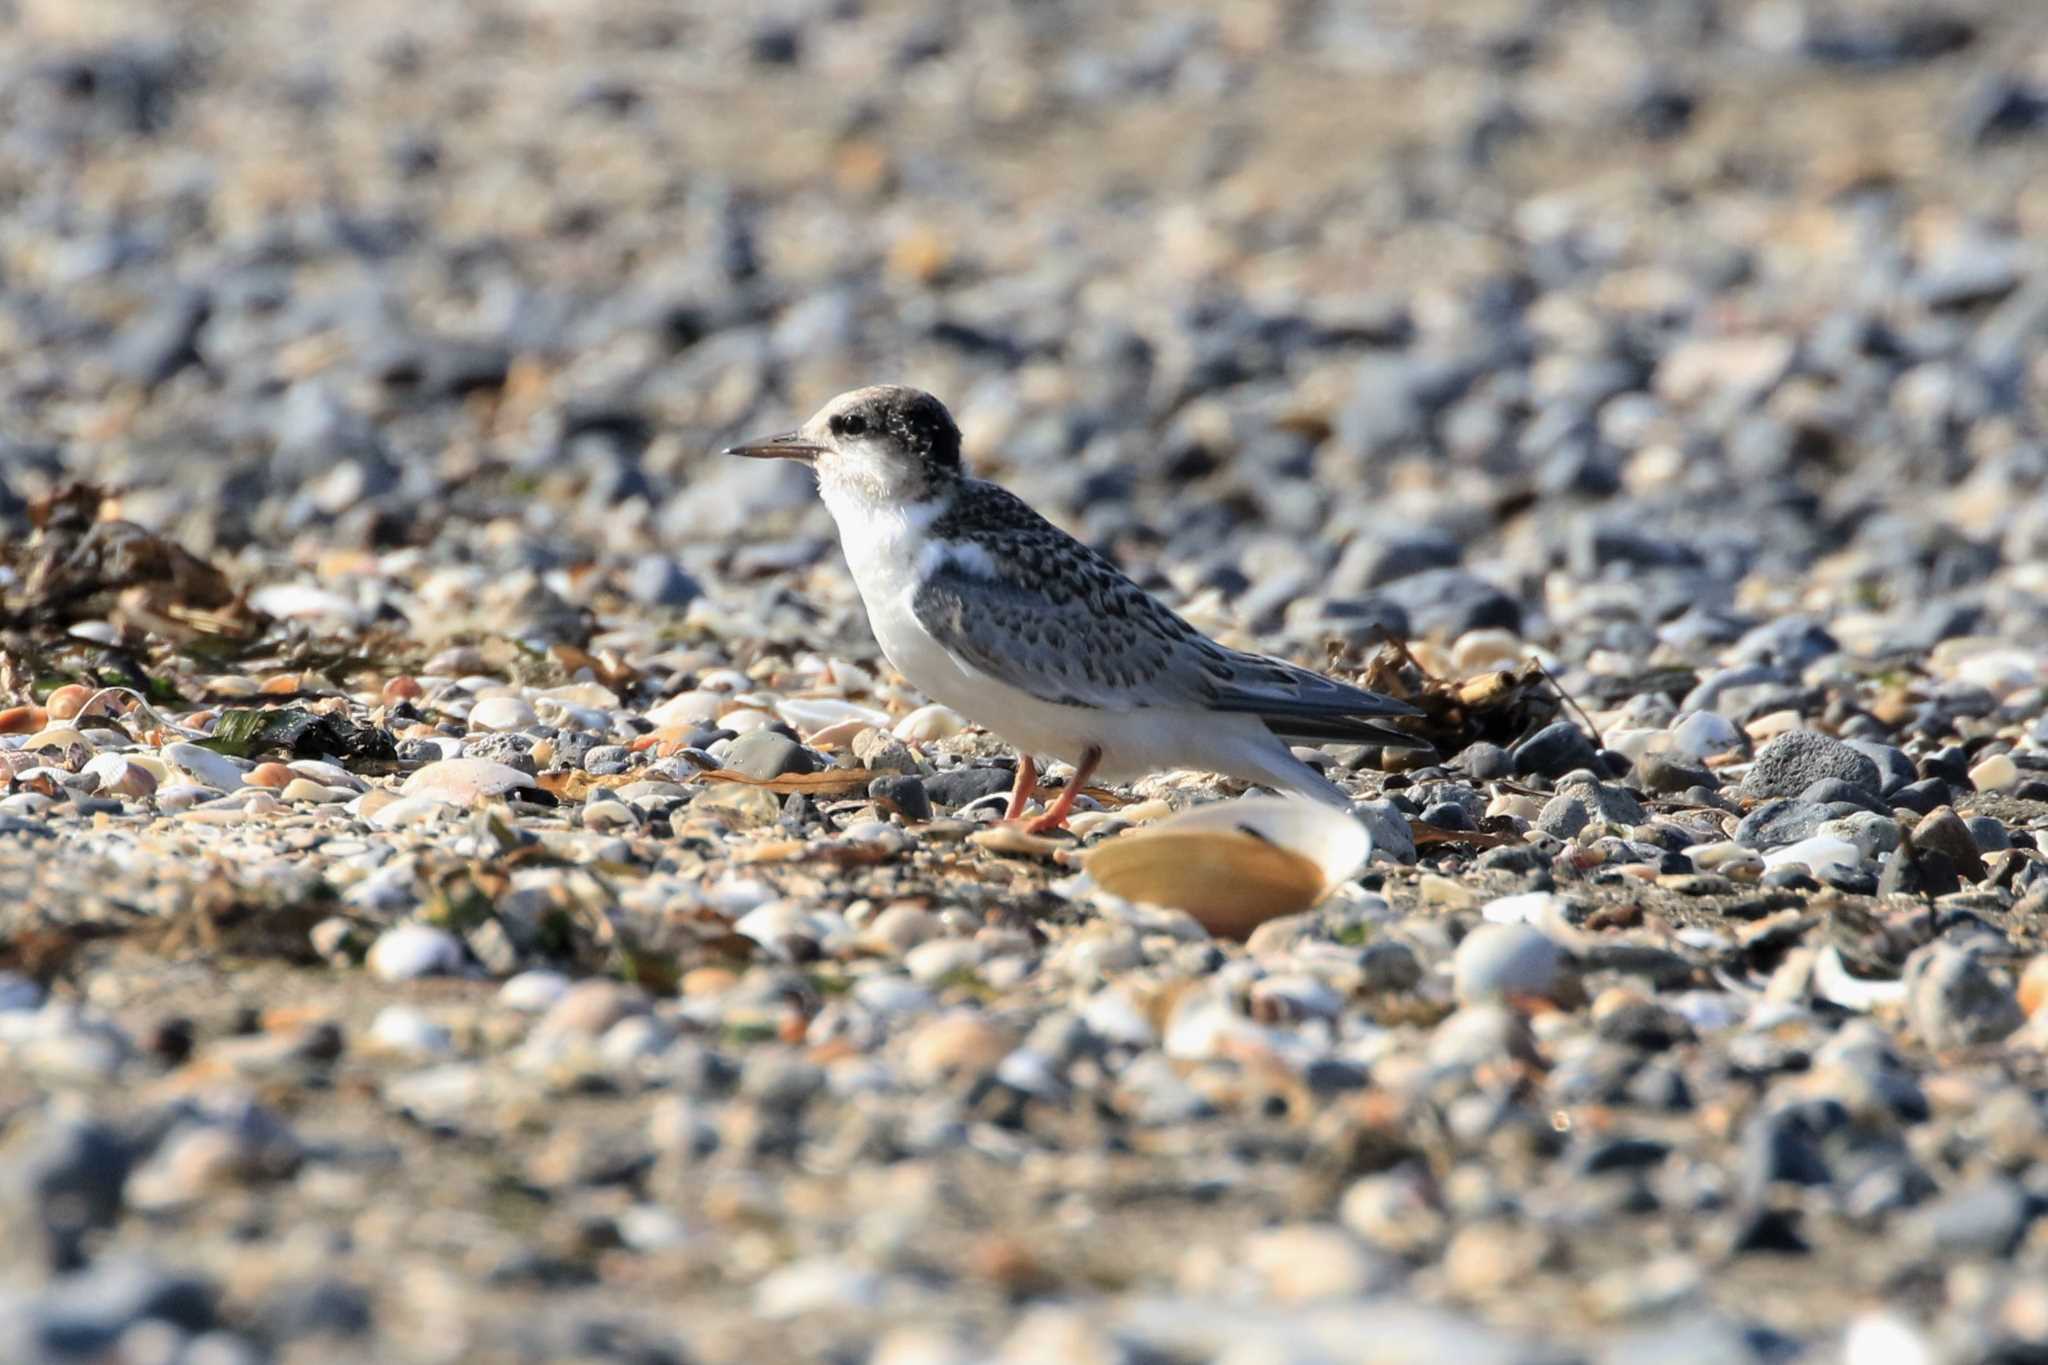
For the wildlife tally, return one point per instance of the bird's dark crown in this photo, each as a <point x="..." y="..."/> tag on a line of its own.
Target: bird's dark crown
<point x="910" y="419"/>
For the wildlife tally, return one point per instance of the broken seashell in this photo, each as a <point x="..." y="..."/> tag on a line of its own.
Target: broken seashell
<point x="1236" y="864"/>
<point x="1833" y="983"/>
<point x="810" y="715"/>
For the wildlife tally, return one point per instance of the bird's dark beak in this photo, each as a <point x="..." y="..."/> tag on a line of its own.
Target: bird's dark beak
<point x="790" y="445"/>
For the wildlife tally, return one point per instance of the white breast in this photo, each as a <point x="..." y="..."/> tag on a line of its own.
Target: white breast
<point x="886" y="548"/>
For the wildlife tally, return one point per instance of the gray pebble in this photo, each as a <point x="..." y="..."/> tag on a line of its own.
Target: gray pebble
<point x="658" y="581"/>
<point x="1894" y="768"/>
<point x="509" y="747"/>
<point x="958" y="786"/>
<point x="1797" y="759"/>
<point x="1668" y="774"/>
<point x="1555" y="750"/>
<point x="1392" y="840"/>
<point x="1496" y="960"/>
<point x="68" y="1184"/>
<point x="765" y="754"/>
<point x="907" y="794"/>
<point x="1955" y="999"/>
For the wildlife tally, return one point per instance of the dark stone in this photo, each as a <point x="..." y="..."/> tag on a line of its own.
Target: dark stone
<point x="82" y="1315"/>
<point x="1833" y="791"/>
<point x="1660" y="1086"/>
<point x="907" y="794"/>
<point x="1447" y="815"/>
<point x="1951" y="764"/>
<point x="1903" y="36"/>
<point x="1335" y="1076"/>
<point x="1554" y="750"/>
<point x="798" y="813"/>
<point x="1488" y="762"/>
<point x="1921" y="797"/>
<point x="572" y="747"/>
<point x="1784" y="1145"/>
<point x="765" y="754"/>
<point x="439" y="368"/>
<point x="413" y="752"/>
<point x="534" y="1268"/>
<point x="1943" y="831"/>
<point x="1643" y="1024"/>
<point x="2001" y="109"/>
<point x="1596" y="547"/>
<point x="1777" y="823"/>
<point x="1789" y="642"/>
<point x="610" y="96"/>
<point x="1769" y="1230"/>
<point x="1918" y="872"/>
<point x="776" y="44"/>
<point x="1364" y="620"/>
<point x="1450" y="602"/>
<point x="129" y="87"/>
<point x="1389" y="965"/>
<point x="1894" y="768"/>
<point x="73" y="1176"/>
<point x="324" y="1307"/>
<point x="1403" y="555"/>
<point x="165" y="341"/>
<point x="1661" y="108"/>
<point x="963" y="785"/>
<point x="1668" y="774"/>
<point x="1989" y="833"/>
<point x="1516" y="858"/>
<point x="1707" y="694"/>
<point x="1854" y="881"/>
<point x="1603" y="1156"/>
<point x="658" y="581"/>
<point x="1797" y="759"/>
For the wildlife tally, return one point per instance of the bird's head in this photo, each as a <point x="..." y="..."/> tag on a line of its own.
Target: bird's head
<point x="887" y="444"/>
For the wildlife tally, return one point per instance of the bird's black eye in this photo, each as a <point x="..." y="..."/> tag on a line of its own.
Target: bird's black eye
<point x="850" y="424"/>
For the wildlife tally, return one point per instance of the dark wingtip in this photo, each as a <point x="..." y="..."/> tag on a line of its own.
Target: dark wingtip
<point x="1302" y="729"/>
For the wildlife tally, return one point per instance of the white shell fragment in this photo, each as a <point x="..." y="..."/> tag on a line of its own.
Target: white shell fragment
<point x="463" y="780"/>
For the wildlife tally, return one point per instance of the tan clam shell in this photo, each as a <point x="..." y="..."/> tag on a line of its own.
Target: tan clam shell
<point x="1236" y="864"/>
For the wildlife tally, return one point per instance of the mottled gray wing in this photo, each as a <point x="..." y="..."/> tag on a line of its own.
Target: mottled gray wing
<point x="1035" y="608"/>
<point x="1110" y="645"/>
<point x="1099" y="647"/>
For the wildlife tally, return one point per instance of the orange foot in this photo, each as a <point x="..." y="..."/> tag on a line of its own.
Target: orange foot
<point x="1063" y="805"/>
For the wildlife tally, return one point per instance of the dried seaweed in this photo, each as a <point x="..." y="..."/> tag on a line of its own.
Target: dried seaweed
<point x="301" y="733"/>
<point x="1497" y="707"/>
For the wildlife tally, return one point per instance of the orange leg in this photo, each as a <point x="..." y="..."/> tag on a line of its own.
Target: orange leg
<point x="1056" y="814"/>
<point x="1025" y="789"/>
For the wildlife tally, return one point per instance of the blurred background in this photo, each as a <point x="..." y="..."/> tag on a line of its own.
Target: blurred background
<point x="1540" y="313"/>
